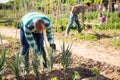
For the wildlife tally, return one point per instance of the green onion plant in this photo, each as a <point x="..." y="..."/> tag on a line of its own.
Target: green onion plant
<point x="14" y="65"/>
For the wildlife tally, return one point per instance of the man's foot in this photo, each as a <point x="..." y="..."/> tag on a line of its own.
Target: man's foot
<point x="66" y="34"/>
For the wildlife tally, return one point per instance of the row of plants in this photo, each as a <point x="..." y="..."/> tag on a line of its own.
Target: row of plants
<point x="86" y="37"/>
<point x="112" y="22"/>
<point x="2" y="61"/>
<point x="15" y="67"/>
<point x="62" y="20"/>
<point x="14" y="64"/>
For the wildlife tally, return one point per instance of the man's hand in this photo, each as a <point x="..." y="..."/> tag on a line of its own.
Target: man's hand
<point x="53" y="46"/>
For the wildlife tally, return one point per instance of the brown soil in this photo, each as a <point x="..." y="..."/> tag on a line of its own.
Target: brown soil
<point x="85" y="56"/>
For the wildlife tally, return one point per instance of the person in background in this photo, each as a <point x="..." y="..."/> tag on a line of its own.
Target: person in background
<point x="74" y="16"/>
<point x="31" y="35"/>
<point x="101" y="18"/>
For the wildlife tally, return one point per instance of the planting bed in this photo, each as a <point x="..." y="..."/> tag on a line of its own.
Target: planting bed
<point x="82" y="65"/>
<point x="80" y="61"/>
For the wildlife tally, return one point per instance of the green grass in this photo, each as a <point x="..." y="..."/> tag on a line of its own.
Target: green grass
<point x="86" y="37"/>
<point x="116" y="42"/>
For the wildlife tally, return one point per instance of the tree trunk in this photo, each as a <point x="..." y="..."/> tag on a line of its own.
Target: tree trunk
<point x="109" y="4"/>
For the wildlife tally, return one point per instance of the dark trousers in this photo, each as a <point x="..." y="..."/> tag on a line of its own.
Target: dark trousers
<point x="73" y="17"/>
<point x="39" y="38"/>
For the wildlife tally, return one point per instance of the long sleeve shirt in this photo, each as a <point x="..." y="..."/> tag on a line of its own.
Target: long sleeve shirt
<point x="28" y="21"/>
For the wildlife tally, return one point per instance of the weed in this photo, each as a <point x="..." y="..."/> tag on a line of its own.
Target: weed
<point x="54" y="78"/>
<point x="95" y="71"/>
<point x="86" y="37"/>
<point x="76" y="76"/>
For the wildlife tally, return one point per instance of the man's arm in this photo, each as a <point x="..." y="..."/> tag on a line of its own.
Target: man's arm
<point x="30" y="39"/>
<point x="49" y="33"/>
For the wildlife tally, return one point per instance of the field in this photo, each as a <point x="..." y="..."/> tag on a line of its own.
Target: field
<point x="99" y="55"/>
<point x="92" y="54"/>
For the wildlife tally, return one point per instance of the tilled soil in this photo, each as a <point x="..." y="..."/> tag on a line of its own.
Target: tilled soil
<point x="85" y="56"/>
<point x="82" y="65"/>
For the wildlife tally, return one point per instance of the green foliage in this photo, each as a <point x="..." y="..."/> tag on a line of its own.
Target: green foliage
<point x="86" y="37"/>
<point x="71" y="2"/>
<point x="51" y="59"/>
<point x="116" y="42"/>
<point x="91" y="1"/>
<point x="54" y="78"/>
<point x="2" y="61"/>
<point x="25" y="63"/>
<point x="66" y="54"/>
<point x="97" y="1"/>
<point x="76" y="76"/>
<point x="91" y="16"/>
<point x="118" y="70"/>
<point x="113" y="21"/>
<point x="14" y="65"/>
<point x="95" y="71"/>
<point x="90" y="37"/>
<point x="35" y="64"/>
<point x="60" y="20"/>
<point x="15" y="24"/>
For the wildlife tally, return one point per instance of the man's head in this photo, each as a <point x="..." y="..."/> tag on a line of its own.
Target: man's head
<point x="39" y="25"/>
<point x="87" y="5"/>
<point x="100" y="15"/>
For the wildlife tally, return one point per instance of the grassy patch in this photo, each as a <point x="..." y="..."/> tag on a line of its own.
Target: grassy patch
<point x="116" y="42"/>
<point x="86" y="37"/>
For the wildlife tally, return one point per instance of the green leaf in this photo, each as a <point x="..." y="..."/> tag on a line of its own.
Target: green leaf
<point x="51" y="59"/>
<point x="2" y="59"/>
<point x="54" y="78"/>
<point x="65" y="59"/>
<point x="95" y="70"/>
<point x="15" y="66"/>
<point x="76" y="76"/>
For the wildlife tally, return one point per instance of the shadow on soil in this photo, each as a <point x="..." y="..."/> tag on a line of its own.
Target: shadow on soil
<point x="101" y="36"/>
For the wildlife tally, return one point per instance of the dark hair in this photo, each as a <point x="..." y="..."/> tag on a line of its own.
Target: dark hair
<point x="39" y="23"/>
<point x="101" y="15"/>
<point x="88" y="3"/>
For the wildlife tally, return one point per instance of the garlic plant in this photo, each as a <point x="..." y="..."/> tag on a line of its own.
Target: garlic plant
<point x="14" y="65"/>
<point x="35" y="64"/>
<point x="66" y="54"/>
<point x="51" y="59"/>
<point x="65" y="58"/>
<point x="2" y="61"/>
<point x="35" y="68"/>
